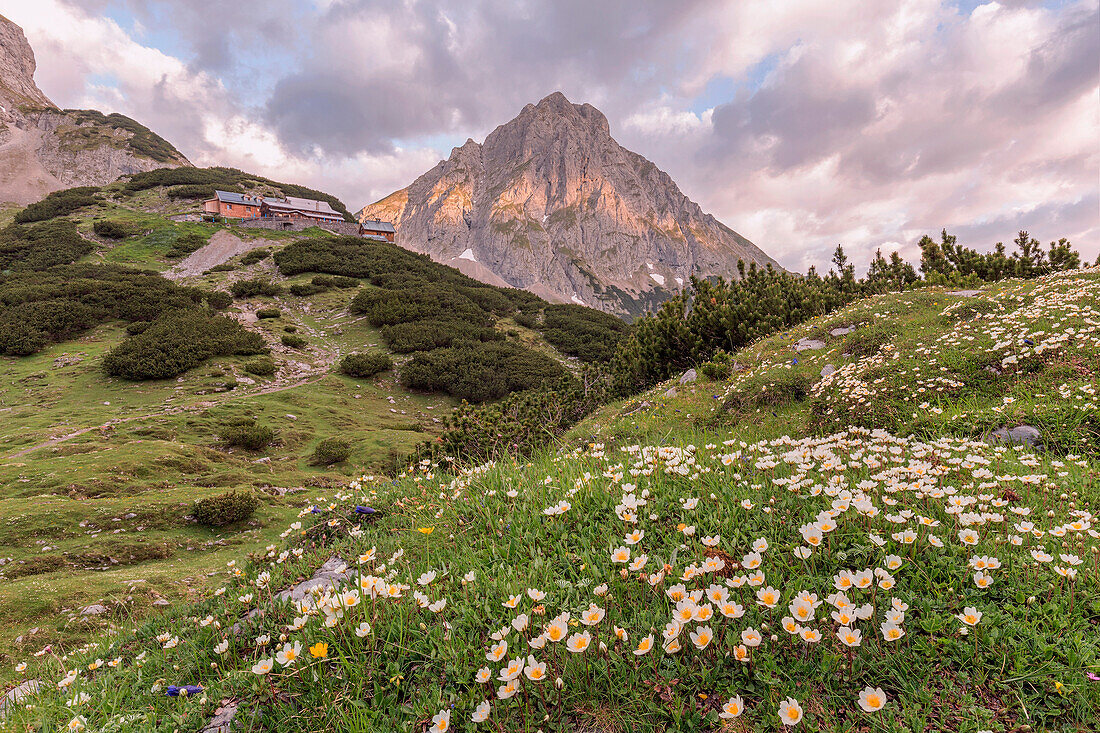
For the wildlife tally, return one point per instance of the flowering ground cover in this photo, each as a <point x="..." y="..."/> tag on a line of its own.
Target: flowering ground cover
<point x="768" y="553"/>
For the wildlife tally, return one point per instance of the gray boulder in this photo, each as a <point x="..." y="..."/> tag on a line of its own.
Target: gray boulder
<point x="671" y="392"/>
<point x="965" y="293"/>
<point x="325" y="577"/>
<point x="222" y="722"/>
<point x="827" y="370"/>
<point x="16" y="695"/>
<point x="807" y="344"/>
<point x="93" y="610"/>
<point x="1020" y="435"/>
<point x="689" y="377"/>
<point x="842" y="331"/>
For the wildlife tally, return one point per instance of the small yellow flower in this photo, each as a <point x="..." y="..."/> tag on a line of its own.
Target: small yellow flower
<point x="425" y="530"/>
<point x="319" y="650"/>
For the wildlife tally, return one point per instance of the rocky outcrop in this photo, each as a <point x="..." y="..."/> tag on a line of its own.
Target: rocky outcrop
<point x="44" y="148"/>
<point x="551" y="203"/>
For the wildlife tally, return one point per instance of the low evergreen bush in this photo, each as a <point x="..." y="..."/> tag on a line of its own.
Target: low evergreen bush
<point x="330" y="451"/>
<point x="113" y="229"/>
<point x="178" y="341"/>
<point x="219" y="300"/>
<point x="480" y="372"/>
<point x="262" y="367"/>
<point x="256" y="255"/>
<point x="366" y="364"/>
<point x="268" y="313"/>
<point x="305" y="289"/>
<point x="291" y="341"/>
<point x="40" y="246"/>
<point x="250" y="436"/>
<point x="59" y="203"/>
<point x="224" y="509"/>
<point x="255" y="286"/>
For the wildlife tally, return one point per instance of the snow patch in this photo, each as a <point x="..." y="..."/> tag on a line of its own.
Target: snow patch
<point x="577" y="300"/>
<point x="659" y="279"/>
<point x="649" y="265"/>
<point x="680" y="281"/>
<point x="467" y="254"/>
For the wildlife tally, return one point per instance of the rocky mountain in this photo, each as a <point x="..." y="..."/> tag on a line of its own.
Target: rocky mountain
<point x="549" y="202"/>
<point x="44" y="148"/>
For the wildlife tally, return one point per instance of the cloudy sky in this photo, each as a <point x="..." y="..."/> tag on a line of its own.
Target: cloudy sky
<point x="799" y="123"/>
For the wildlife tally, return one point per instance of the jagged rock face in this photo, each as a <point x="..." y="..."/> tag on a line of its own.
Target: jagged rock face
<point x="44" y="149"/>
<point x="551" y="203"/>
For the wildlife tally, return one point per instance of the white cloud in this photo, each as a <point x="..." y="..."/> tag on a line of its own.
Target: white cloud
<point x="873" y="122"/>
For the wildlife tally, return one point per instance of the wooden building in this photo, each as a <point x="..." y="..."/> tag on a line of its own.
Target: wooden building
<point x="233" y="205"/>
<point x="297" y="208"/>
<point x="379" y="229"/>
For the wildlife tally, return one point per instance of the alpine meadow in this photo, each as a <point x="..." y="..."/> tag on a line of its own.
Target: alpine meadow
<point x="530" y="441"/>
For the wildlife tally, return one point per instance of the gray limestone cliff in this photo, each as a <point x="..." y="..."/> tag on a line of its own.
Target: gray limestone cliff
<point x="549" y="202"/>
<point x="44" y="148"/>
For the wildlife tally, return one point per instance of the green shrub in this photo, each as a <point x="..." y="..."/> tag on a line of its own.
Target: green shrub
<point x="434" y="301"/>
<point x="269" y="313"/>
<point x="197" y="191"/>
<point x="59" y="203"/>
<point x="41" y="246"/>
<point x="27" y="327"/>
<point x="250" y="436"/>
<point x="254" y="287"/>
<point x="219" y="300"/>
<point x="227" y="508"/>
<point x="113" y="228"/>
<point x="330" y="451"/>
<point x="290" y="329"/>
<point x="479" y="372"/>
<point x="305" y="289"/>
<point x="256" y="255"/>
<point x="527" y="320"/>
<point x="405" y="338"/>
<point x="223" y="267"/>
<point x="335" y="281"/>
<point x="178" y="341"/>
<point x="719" y="368"/>
<point x="521" y="423"/>
<point x="585" y="333"/>
<point x="39" y="307"/>
<point x="292" y="341"/>
<point x="365" y="365"/>
<point x="137" y="327"/>
<point x="264" y="367"/>
<point x="185" y="244"/>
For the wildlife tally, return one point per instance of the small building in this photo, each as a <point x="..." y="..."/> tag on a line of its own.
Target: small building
<point x="294" y="208"/>
<point x="377" y="229"/>
<point x="233" y="205"/>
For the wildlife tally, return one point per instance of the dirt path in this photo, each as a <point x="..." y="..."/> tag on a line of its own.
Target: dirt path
<point x="223" y="246"/>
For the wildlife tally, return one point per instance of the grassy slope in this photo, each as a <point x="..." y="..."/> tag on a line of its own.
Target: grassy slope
<point x="772" y="446"/>
<point x="152" y="447"/>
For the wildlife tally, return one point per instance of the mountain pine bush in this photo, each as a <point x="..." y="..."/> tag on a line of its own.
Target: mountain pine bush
<point x="365" y="364"/>
<point x="178" y="341"/>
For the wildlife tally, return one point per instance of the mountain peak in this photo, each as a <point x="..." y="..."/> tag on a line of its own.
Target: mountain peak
<point x="556" y="106"/>
<point x="551" y="203"/>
